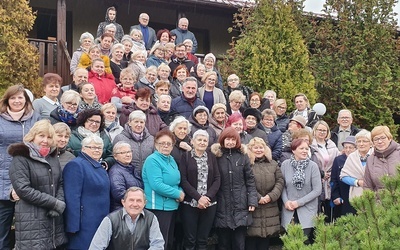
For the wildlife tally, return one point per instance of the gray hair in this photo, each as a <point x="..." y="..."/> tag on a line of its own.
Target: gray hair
<point x="110" y="26"/>
<point x="188" y="41"/>
<point x="364" y="134"/>
<point x="162" y="96"/>
<point x="179" y="119"/>
<point x="151" y="68"/>
<point x="137" y="114"/>
<point x="126" y="38"/>
<point x="69" y="96"/>
<point x="134" y="189"/>
<point x="189" y="79"/>
<point x="268" y="112"/>
<point x="342" y="111"/>
<point x="233" y="76"/>
<point x="237" y="95"/>
<point x="270" y="91"/>
<point x="86" y="35"/>
<point x="92" y="138"/>
<point x="201" y="132"/>
<point x="119" y="145"/>
<point x="117" y="46"/>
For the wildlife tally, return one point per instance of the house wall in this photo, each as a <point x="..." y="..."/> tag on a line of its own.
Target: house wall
<point x="209" y="23"/>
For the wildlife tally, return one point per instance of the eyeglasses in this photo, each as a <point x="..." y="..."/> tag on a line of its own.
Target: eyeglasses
<point x="234" y="79"/>
<point x="124" y="152"/>
<point x="93" y="121"/>
<point x="72" y="104"/>
<point x="344" y="118"/>
<point x="322" y="131"/>
<point x="237" y="103"/>
<point x="168" y="144"/>
<point x="377" y="139"/>
<point x="281" y="108"/>
<point x="94" y="148"/>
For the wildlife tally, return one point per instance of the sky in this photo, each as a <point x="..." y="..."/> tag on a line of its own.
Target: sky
<point x="316" y="6"/>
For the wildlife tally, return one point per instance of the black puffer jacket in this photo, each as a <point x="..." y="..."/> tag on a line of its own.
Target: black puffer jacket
<point x="237" y="191"/>
<point x="38" y="183"/>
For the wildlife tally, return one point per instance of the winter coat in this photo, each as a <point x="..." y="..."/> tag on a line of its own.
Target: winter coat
<point x="55" y="118"/>
<point x="175" y="62"/>
<point x="211" y="132"/>
<point x="114" y="129"/>
<point x="119" y="33"/>
<point x="246" y="91"/>
<point x="381" y="164"/>
<point x="161" y="178"/>
<point x="167" y="117"/>
<point x="154" y="61"/>
<point x="153" y="120"/>
<point x="144" y="83"/>
<point x="39" y="185"/>
<point x="152" y="35"/>
<point x="335" y="133"/>
<point x="326" y="167"/>
<point x="182" y="35"/>
<point x="256" y="132"/>
<point x="103" y="86"/>
<point x="216" y="126"/>
<point x="307" y="197"/>
<point x="122" y="177"/>
<point x="269" y="180"/>
<point x="177" y="151"/>
<point x="87" y="195"/>
<point x="176" y="89"/>
<point x="141" y="148"/>
<point x="116" y="70"/>
<point x="282" y="122"/>
<point x="275" y="142"/>
<point x="245" y="137"/>
<point x="11" y="132"/>
<point x="183" y="107"/>
<point x="237" y="191"/>
<point x="76" y="56"/>
<point x="75" y="145"/>
<point x="64" y="157"/>
<point x="138" y="67"/>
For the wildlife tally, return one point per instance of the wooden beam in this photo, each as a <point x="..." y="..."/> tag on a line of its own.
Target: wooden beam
<point x="61" y="32"/>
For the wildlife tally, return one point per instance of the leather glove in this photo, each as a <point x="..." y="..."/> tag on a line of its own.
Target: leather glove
<point x="52" y="214"/>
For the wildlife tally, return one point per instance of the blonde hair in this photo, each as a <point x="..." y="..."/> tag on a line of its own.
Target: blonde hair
<point x="61" y="127"/>
<point x="381" y="129"/>
<point x="108" y="106"/>
<point x="320" y="122"/>
<point x="253" y="142"/>
<point x="41" y="127"/>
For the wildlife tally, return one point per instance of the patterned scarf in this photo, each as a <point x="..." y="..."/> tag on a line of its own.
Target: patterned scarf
<point x="299" y="176"/>
<point x="66" y="116"/>
<point x="202" y="175"/>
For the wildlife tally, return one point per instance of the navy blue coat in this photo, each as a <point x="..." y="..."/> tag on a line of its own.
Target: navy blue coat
<point x="275" y="142"/>
<point x="181" y="106"/>
<point x="87" y="196"/>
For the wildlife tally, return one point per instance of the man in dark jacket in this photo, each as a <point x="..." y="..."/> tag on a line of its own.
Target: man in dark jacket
<point x="129" y="226"/>
<point x="185" y="104"/>
<point x="345" y="128"/>
<point x="180" y="57"/>
<point x="149" y="35"/>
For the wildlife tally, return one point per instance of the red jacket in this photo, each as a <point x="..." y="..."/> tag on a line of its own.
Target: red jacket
<point x="103" y="85"/>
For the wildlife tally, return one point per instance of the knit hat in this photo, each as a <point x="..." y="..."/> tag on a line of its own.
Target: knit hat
<point x="300" y="120"/>
<point x="199" y="109"/>
<point x="350" y="139"/>
<point x="254" y="112"/>
<point x="217" y="106"/>
<point x="210" y="55"/>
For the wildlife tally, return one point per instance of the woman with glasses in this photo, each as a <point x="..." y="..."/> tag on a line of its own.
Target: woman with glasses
<point x="122" y="174"/>
<point x="138" y="137"/>
<point x="156" y="57"/>
<point x="199" y="121"/>
<point x="161" y="178"/>
<point x="282" y="119"/>
<point x="326" y="152"/>
<point x="274" y="135"/>
<point x="383" y="161"/>
<point x="87" y="193"/>
<point x="208" y="93"/>
<point x="68" y="111"/>
<point x="91" y="122"/>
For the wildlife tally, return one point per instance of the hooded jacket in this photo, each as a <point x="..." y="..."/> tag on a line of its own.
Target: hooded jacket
<point x="119" y="33"/>
<point x="85" y="62"/>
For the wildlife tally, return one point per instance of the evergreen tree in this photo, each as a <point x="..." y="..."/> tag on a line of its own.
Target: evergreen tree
<point x="355" y="60"/>
<point x="19" y="61"/>
<point x="269" y="52"/>
<point x="376" y="225"/>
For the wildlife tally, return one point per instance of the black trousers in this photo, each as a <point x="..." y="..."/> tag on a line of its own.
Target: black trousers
<point x="257" y="243"/>
<point x="6" y="217"/>
<point x="231" y="239"/>
<point x="166" y="219"/>
<point x="197" y="224"/>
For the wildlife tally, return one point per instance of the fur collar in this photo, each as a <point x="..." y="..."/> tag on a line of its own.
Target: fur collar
<point x="216" y="149"/>
<point x="20" y="149"/>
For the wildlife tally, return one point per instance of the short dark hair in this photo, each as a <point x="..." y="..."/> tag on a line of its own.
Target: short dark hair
<point x="229" y="133"/>
<point x="165" y="132"/>
<point x="50" y="78"/>
<point x="143" y="93"/>
<point x="86" y="114"/>
<point x="160" y="32"/>
<point x="296" y="143"/>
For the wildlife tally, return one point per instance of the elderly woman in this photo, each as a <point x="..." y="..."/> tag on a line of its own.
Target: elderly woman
<point x="209" y="94"/>
<point x="156" y="55"/>
<point x="128" y="43"/>
<point x="123" y="174"/>
<point x="179" y="75"/>
<point x="302" y="188"/>
<point x="106" y="41"/>
<point x="35" y="175"/>
<point x="111" y="121"/>
<point x="161" y="178"/>
<point x="138" y="137"/>
<point x="163" y="72"/>
<point x="269" y="185"/>
<point x="86" y="40"/>
<point x="237" y="195"/>
<point x="326" y="151"/>
<point x="163" y="36"/>
<point x="160" y="88"/>
<point x="94" y="52"/>
<point x="164" y="109"/>
<point x="181" y="128"/>
<point x="295" y="124"/>
<point x="282" y="119"/>
<point x="198" y="72"/>
<point x="303" y="108"/>
<point x="149" y="80"/>
<point x="88" y="97"/>
<point x="87" y="193"/>
<point x="189" y="46"/>
<point x="218" y="118"/>
<point x="236" y="99"/>
<point x="199" y="121"/>
<point x="234" y="84"/>
<point x="252" y="118"/>
<point x="138" y="43"/>
<point x="137" y="63"/>
<point x="340" y="190"/>
<point x="210" y="61"/>
<point x="124" y="93"/>
<point x="91" y="122"/>
<point x="117" y="63"/>
<point x="169" y="51"/>
<point x="103" y="82"/>
<point x="271" y="96"/>
<point x="16" y="119"/>
<point x="274" y="135"/>
<point x="383" y="161"/>
<point x="200" y="180"/>
<point x="143" y="103"/>
<point x="51" y="85"/>
<point x="62" y="133"/>
<point x="237" y="122"/>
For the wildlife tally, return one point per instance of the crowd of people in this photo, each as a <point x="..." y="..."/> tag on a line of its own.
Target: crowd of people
<point x="147" y="139"/>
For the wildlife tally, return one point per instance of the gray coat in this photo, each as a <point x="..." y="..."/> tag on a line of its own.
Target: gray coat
<point x="307" y="197"/>
<point x="38" y="183"/>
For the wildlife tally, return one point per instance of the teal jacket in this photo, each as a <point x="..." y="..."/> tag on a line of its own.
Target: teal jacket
<point x="161" y="178"/>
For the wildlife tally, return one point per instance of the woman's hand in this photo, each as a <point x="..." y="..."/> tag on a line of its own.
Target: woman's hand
<point x="338" y="201"/>
<point x="204" y="202"/>
<point x="181" y="197"/>
<point x="360" y="182"/>
<point x="185" y="146"/>
<point x="251" y="208"/>
<point x="14" y="195"/>
<point x="126" y="100"/>
<point x="267" y="199"/>
<point x="291" y="205"/>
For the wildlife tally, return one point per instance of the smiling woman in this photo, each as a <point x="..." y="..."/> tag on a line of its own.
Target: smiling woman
<point x="52" y="86"/>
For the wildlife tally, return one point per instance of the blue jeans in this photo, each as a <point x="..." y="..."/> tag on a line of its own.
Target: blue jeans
<point x="6" y="217"/>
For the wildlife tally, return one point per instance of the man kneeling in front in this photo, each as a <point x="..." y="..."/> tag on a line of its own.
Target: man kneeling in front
<point x="131" y="227"/>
